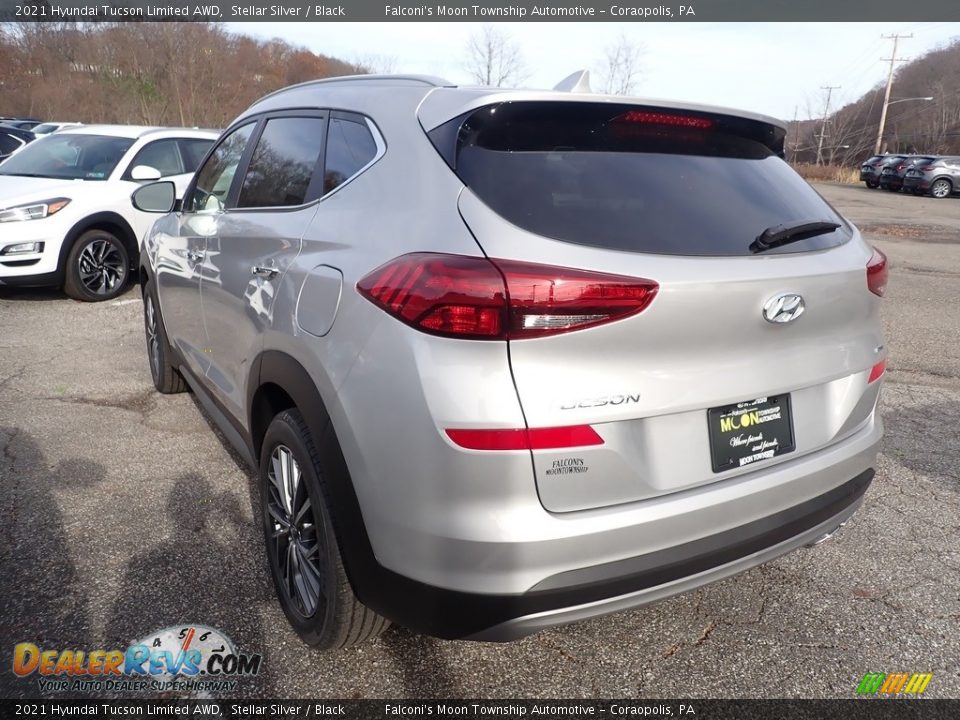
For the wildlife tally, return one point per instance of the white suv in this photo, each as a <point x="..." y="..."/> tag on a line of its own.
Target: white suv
<point x="65" y="213"/>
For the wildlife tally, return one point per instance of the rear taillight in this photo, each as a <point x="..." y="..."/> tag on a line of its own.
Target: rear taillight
<point x="526" y="439"/>
<point x="488" y="299"/>
<point x="877" y="273"/>
<point x="927" y="168"/>
<point x="900" y="167"/>
<point x="877" y="371"/>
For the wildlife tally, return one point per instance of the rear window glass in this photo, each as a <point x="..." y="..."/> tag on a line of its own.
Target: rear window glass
<point x="632" y="178"/>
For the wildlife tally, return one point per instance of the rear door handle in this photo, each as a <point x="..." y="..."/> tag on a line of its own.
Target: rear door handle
<point x="265" y="272"/>
<point x="194" y="256"/>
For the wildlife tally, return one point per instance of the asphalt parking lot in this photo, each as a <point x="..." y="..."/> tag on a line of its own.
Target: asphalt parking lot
<point x="124" y="512"/>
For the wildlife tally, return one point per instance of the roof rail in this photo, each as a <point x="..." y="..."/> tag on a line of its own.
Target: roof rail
<point x="428" y="80"/>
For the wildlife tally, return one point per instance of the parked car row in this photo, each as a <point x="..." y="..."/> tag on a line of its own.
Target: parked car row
<point x="934" y="175"/>
<point x="85" y="236"/>
<point x="17" y="132"/>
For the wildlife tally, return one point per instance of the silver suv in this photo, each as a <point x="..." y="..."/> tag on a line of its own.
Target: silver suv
<point x="512" y="359"/>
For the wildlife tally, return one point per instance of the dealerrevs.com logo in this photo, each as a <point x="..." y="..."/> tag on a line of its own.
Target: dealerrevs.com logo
<point x="187" y="658"/>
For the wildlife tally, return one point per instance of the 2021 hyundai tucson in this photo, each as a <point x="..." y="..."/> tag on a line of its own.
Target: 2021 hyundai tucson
<point x="511" y="359"/>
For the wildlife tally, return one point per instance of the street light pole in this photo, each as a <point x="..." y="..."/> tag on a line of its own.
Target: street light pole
<point x="886" y="95"/>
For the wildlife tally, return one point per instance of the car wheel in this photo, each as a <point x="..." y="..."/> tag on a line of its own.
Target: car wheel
<point x="302" y="548"/>
<point x="98" y="267"/>
<point x="941" y="188"/>
<point x="873" y="185"/>
<point x="166" y="378"/>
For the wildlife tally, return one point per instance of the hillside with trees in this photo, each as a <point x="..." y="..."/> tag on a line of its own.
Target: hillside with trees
<point x="192" y="74"/>
<point x="915" y="126"/>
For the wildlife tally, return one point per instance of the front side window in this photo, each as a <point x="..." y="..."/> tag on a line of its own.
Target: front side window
<point x="161" y="155"/>
<point x="283" y="163"/>
<point x="69" y="157"/>
<point x="350" y="147"/>
<point x="216" y="176"/>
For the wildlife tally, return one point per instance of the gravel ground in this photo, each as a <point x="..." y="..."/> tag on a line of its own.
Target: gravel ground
<point x="125" y="512"/>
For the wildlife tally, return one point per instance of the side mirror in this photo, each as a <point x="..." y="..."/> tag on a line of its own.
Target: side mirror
<point x="145" y="172"/>
<point x="158" y="197"/>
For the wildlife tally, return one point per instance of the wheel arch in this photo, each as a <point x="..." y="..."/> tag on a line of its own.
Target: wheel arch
<point x="111" y="222"/>
<point x="279" y="382"/>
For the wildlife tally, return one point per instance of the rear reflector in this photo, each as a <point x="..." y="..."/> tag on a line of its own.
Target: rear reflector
<point x="488" y="299"/>
<point x="877" y="371"/>
<point x="526" y="439"/>
<point x="657" y="118"/>
<point x="877" y="273"/>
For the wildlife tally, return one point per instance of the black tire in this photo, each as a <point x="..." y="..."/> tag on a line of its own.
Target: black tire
<point x="319" y="604"/>
<point x="98" y="267"/>
<point x="872" y="185"/>
<point x="166" y="378"/>
<point x="941" y="188"/>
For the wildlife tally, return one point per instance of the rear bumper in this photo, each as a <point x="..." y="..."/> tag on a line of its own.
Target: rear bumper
<point x="916" y="184"/>
<point x="657" y="576"/>
<point x="663" y="552"/>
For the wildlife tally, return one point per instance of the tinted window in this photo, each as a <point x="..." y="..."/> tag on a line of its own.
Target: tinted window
<point x="8" y="144"/>
<point x="635" y="179"/>
<point x="216" y="175"/>
<point x="283" y="163"/>
<point x="162" y="155"/>
<point x="193" y="152"/>
<point x="350" y="146"/>
<point x="69" y="157"/>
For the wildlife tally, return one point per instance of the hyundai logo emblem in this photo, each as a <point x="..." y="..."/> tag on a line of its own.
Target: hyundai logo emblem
<point x="783" y="308"/>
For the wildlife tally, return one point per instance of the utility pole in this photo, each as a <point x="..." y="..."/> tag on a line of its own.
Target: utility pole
<point x="796" y="134"/>
<point x="893" y="59"/>
<point x="823" y="125"/>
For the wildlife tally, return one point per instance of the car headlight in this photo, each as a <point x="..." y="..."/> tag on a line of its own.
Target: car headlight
<point x="33" y="211"/>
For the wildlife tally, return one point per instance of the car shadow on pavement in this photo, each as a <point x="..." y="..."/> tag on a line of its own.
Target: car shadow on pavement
<point x="923" y="438"/>
<point x="42" y="600"/>
<point x="424" y="671"/>
<point x="197" y="574"/>
<point x="30" y="294"/>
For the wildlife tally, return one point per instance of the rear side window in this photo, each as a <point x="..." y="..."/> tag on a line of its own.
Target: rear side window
<point x="283" y="163"/>
<point x="193" y="151"/>
<point x="8" y="143"/>
<point x="633" y="178"/>
<point x="350" y="147"/>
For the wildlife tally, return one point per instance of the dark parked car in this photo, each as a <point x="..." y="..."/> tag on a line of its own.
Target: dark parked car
<point x="870" y="170"/>
<point x="12" y="139"/>
<point x="23" y="123"/>
<point x="939" y="178"/>
<point x="892" y="174"/>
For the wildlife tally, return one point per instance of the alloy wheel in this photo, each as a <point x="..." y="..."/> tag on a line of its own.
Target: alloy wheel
<point x="294" y="538"/>
<point x="101" y="267"/>
<point x="940" y="189"/>
<point x="153" y="338"/>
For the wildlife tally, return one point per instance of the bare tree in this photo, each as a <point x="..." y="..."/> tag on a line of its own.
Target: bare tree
<point x="494" y="59"/>
<point x="375" y="64"/>
<point x="620" y="69"/>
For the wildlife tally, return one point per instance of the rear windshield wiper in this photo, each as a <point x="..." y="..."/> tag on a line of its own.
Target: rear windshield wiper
<point x="790" y="232"/>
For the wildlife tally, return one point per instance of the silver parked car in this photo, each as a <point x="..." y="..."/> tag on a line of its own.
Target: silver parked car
<point x="512" y="359"/>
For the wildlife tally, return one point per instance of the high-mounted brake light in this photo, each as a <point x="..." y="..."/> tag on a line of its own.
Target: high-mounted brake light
<point x="877" y="371"/>
<point x="658" y="118"/>
<point x="488" y="299"/>
<point x="877" y="273"/>
<point x="526" y="439"/>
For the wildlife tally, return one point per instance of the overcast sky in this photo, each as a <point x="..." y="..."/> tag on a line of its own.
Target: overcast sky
<point x="774" y="68"/>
